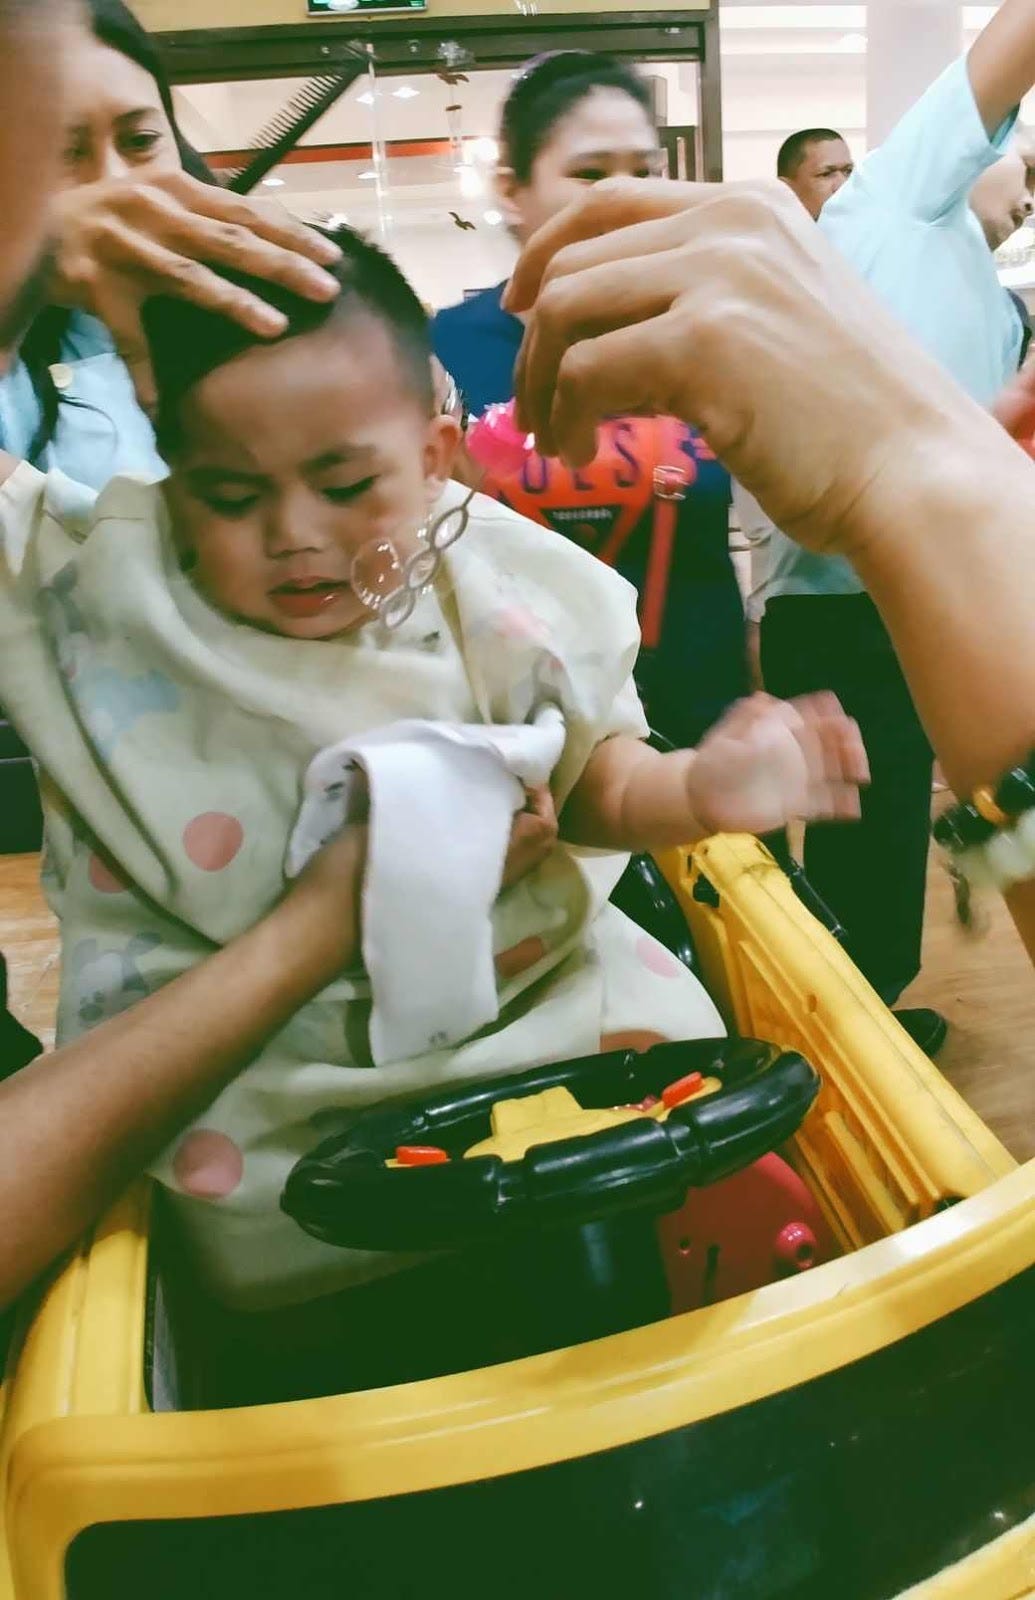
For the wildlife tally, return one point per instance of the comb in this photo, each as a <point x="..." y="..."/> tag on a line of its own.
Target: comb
<point x="283" y="131"/>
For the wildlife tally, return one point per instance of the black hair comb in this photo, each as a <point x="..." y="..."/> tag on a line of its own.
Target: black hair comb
<point x="305" y="108"/>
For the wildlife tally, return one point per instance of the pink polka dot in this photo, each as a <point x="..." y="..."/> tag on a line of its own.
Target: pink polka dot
<point x="517" y="623"/>
<point x="657" y="959"/>
<point x="212" y="840"/>
<point x="103" y="877"/>
<point x="208" y="1165"/>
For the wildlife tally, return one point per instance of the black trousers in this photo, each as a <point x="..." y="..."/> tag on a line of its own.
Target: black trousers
<point x="873" y="875"/>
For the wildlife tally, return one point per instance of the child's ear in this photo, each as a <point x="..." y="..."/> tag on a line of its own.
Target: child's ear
<point x="441" y="444"/>
<point x="507" y="190"/>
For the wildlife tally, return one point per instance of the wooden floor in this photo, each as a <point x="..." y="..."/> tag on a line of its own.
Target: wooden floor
<point x="981" y="981"/>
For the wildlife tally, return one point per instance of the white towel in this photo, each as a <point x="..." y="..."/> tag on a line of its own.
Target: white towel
<point x="442" y="800"/>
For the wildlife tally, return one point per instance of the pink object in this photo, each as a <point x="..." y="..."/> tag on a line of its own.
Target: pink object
<point x="103" y="877"/>
<point x="212" y="840"/>
<point x="497" y="443"/>
<point x="795" y="1249"/>
<point x="761" y="1225"/>
<point x="208" y="1165"/>
<point x="657" y="959"/>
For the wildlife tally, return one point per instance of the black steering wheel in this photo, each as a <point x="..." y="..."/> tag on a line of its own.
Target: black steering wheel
<point x="679" y="1116"/>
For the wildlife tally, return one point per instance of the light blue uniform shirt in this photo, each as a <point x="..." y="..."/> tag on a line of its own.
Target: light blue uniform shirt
<point x="904" y="222"/>
<point x="101" y="430"/>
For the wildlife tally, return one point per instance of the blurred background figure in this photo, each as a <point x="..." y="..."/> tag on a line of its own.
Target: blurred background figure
<point x="815" y="163"/>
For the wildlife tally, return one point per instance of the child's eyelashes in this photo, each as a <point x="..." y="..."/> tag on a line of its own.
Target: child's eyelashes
<point x="227" y="505"/>
<point x="340" y="494"/>
<point x="240" y="502"/>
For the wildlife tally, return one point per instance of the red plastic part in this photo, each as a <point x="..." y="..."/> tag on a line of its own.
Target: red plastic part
<point x="742" y="1233"/>
<point x="421" y="1155"/>
<point x="795" y="1248"/>
<point x="683" y="1089"/>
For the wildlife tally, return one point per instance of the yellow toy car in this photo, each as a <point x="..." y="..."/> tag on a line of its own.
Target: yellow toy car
<point x="856" y="1430"/>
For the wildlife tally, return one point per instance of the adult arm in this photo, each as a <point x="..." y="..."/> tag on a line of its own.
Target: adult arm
<point x="1001" y="63"/>
<point x="927" y="165"/>
<point x="715" y="304"/>
<point x="78" y="1125"/>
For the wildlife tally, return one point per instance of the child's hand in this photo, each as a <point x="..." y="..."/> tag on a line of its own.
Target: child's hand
<point x="770" y="762"/>
<point x="532" y="837"/>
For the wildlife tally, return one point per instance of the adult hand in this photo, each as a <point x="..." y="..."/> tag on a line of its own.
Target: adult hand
<point x="532" y="837"/>
<point x="1015" y="407"/>
<point x="725" y="306"/>
<point x="118" y="242"/>
<point x="769" y="762"/>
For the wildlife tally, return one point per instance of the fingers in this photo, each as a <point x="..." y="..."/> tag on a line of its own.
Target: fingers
<point x="262" y="217"/>
<point x="532" y="837"/>
<point x="157" y="269"/>
<point x="236" y="234"/>
<point x="619" y="373"/>
<point x="835" y="758"/>
<point x="1015" y="406"/>
<point x="616" y="204"/>
<point x="574" y="308"/>
<point x="541" y="805"/>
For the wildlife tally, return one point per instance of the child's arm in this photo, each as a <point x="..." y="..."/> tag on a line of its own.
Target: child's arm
<point x="1001" y="63"/>
<point x="765" y="764"/>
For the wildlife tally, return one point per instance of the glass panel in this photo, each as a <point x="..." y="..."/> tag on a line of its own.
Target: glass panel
<point x="432" y="199"/>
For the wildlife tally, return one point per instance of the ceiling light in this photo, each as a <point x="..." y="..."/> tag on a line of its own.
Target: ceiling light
<point x="808" y="16"/>
<point x="493" y="218"/>
<point x="365" y="99"/>
<point x="472" y="183"/>
<point x="273" y="183"/>
<point x="484" y="149"/>
<point x="368" y="176"/>
<point x="406" y="92"/>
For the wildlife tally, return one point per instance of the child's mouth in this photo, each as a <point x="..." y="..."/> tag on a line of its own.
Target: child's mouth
<point x="306" y="599"/>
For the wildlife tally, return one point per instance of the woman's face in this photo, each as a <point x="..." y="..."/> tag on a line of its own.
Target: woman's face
<point x="607" y="134"/>
<point x="117" y="127"/>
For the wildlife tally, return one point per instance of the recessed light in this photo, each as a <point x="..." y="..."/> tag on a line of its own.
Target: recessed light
<point x="406" y="92"/>
<point x="367" y="177"/>
<point x="273" y="183"/>
<point x="365" y="99"/>
<point x="493" y="218"/>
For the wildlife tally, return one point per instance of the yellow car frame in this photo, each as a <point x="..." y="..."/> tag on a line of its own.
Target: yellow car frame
<point x="937" y="1224"/>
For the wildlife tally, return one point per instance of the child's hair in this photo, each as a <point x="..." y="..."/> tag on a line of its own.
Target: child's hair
<point x="548" y="88"/>
<point x="187" y="343"/>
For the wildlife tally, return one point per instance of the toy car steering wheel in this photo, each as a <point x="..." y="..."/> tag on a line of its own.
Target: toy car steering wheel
<point x="565" y="1144"/>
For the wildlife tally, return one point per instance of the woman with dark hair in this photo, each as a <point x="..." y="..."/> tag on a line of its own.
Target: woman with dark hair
<point x="655" y="502"/>
<point x="140" y="212"/>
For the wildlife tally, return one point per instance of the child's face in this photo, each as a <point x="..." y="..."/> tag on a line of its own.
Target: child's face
<point x="293" y="458"/>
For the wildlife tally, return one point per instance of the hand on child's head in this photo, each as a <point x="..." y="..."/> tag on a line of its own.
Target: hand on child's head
<point x="770" y="762"/>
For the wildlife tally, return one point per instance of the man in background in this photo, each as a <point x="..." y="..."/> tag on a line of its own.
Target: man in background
<point x="815" y="163"/>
